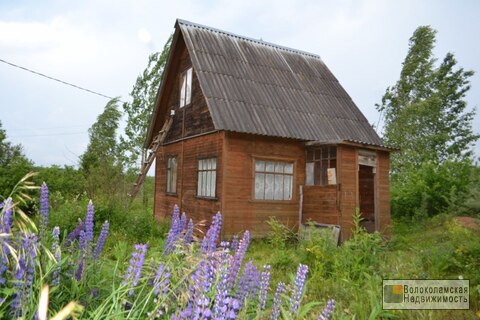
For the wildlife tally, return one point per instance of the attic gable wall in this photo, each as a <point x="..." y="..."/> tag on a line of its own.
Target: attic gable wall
<point x="194" y="118"/>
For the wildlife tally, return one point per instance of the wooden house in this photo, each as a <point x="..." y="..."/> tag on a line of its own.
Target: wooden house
<point x="253" y="130"/>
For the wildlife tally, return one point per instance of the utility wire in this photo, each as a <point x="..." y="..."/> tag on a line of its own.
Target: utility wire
<point x="55" y="79"/>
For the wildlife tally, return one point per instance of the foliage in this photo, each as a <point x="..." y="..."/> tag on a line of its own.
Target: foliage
<point x="67" y="182"/>
<point x="432" y="188"/>
<point x="280" y="235"/>
<point x="425" y="111"/>
<point x="101" y="164"/>
<point x="426" y="117"/>
<point x="13" y="164"/>
<point x="140" y="110"/>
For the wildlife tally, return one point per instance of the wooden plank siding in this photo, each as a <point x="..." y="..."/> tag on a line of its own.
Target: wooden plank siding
<point x="347" y="164"/>
<point x="320" y="204"/>
<point x="383" y="193"/>
<point x="188" y="153"/>
<point x="241" y="211"/>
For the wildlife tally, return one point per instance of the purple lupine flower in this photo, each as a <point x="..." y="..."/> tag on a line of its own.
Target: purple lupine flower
<point x="102" y="238"/>
<point x="161" y="280"/>
<point x="236" y="262"/>
<point x="183" y="222"/>
<point x="174" y="231"/>
<point x="298" y="287"/>
<point x="82" y="254"/>
<point x="201" y="282"/>
<point x="247" y="284"/>
<point x="233" y="307"/>
<point x="277" y="301"/>
<point x="328" y="311"/>
<point x="75" y="234"/>
<point x="209" y="243"/>
<point x="220" y="306"/>
<point x="189" y="232"/>
<point x="44" y="210"/>
<point x="24" y="274"/>
<point x="135" y="267"/>
<point x="89" y="222"/>
<point x="234" y="244"/>
<point x="264" y="286"/>
<point x="6" y="222"/>
<point x="57" y="253"/>
<point x="79" y="272"/>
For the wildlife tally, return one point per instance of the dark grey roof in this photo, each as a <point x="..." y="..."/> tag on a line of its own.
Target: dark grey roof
<point x="253" y="86"/>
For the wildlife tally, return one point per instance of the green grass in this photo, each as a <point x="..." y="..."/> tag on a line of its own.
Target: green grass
<point x="434" y="248"/>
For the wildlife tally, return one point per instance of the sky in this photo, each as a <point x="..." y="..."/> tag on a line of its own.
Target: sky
<point x="104" y="45"/>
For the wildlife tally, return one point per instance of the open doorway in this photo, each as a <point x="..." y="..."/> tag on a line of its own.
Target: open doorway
<point x="366" y="189"/>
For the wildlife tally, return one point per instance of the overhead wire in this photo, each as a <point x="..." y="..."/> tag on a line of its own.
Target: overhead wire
<point x="56" y="79"/>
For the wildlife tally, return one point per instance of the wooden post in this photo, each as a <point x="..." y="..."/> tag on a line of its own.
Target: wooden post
<point x="300" y="207"/>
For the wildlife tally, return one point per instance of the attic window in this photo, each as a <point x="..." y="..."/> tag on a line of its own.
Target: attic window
<point x="186" y="88"/>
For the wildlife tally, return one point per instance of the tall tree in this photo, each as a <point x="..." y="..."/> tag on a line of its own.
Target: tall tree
<point x="101" y="163"/>
<point x="426" y="116"/>
<point x="140" y="109"/>
<point x="425" y="111"/>
<point x="13" y="164"/>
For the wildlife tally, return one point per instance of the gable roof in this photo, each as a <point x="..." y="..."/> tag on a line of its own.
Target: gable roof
<point x="252" y="86"/>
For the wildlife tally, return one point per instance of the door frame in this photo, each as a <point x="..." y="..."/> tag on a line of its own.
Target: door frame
<point x="369" y="158"/>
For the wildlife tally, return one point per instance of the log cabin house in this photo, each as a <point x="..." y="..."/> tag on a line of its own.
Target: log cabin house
<point x="253" y="130"/>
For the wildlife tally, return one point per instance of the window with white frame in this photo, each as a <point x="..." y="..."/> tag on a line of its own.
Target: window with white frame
<point x="186" y="88"/>
<point x="172" y="174"/>
<point x="273" y="180"/>
<point x="207" y="178"/>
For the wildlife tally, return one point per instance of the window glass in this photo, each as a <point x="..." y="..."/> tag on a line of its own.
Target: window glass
<point x="171" y="174"/>
<point x="207" y="178"/>
<point x="186" y="88"/>
<point x="273" y="180"/>
<point x="316" y="170"/>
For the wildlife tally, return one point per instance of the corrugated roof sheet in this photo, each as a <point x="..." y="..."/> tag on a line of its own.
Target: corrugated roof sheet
<point x="253" y="86"/>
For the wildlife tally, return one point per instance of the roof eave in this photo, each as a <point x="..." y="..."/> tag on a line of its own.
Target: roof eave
<point x="353" y="143"/>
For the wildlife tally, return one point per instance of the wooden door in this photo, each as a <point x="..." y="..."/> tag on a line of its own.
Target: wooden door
<point x="366" y="191"/>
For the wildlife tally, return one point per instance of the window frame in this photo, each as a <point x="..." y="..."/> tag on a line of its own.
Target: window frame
<point x="319" y="161"/>
<point x="168" y="172"/>
<point x="186" y="80"/>
<point x="201" y="196"/>
<point x="292" y="176"/>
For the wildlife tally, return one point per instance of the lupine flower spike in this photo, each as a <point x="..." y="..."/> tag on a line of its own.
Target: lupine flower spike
<point x="44" y="211"/>
<point x="89" y="221"/>
<point x="24" y="274"/>
<point x="102" y="238"/>
<point x="298" y="287"/>
<point x="277" y="301"/>
<point x="57" y="253"/>
<point x="6" y="221"/>
<point x="327" y="313"/>
<point x="135" y="267"/>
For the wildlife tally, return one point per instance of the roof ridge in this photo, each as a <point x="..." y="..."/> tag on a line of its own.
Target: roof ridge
<point x="261" y="42"/>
